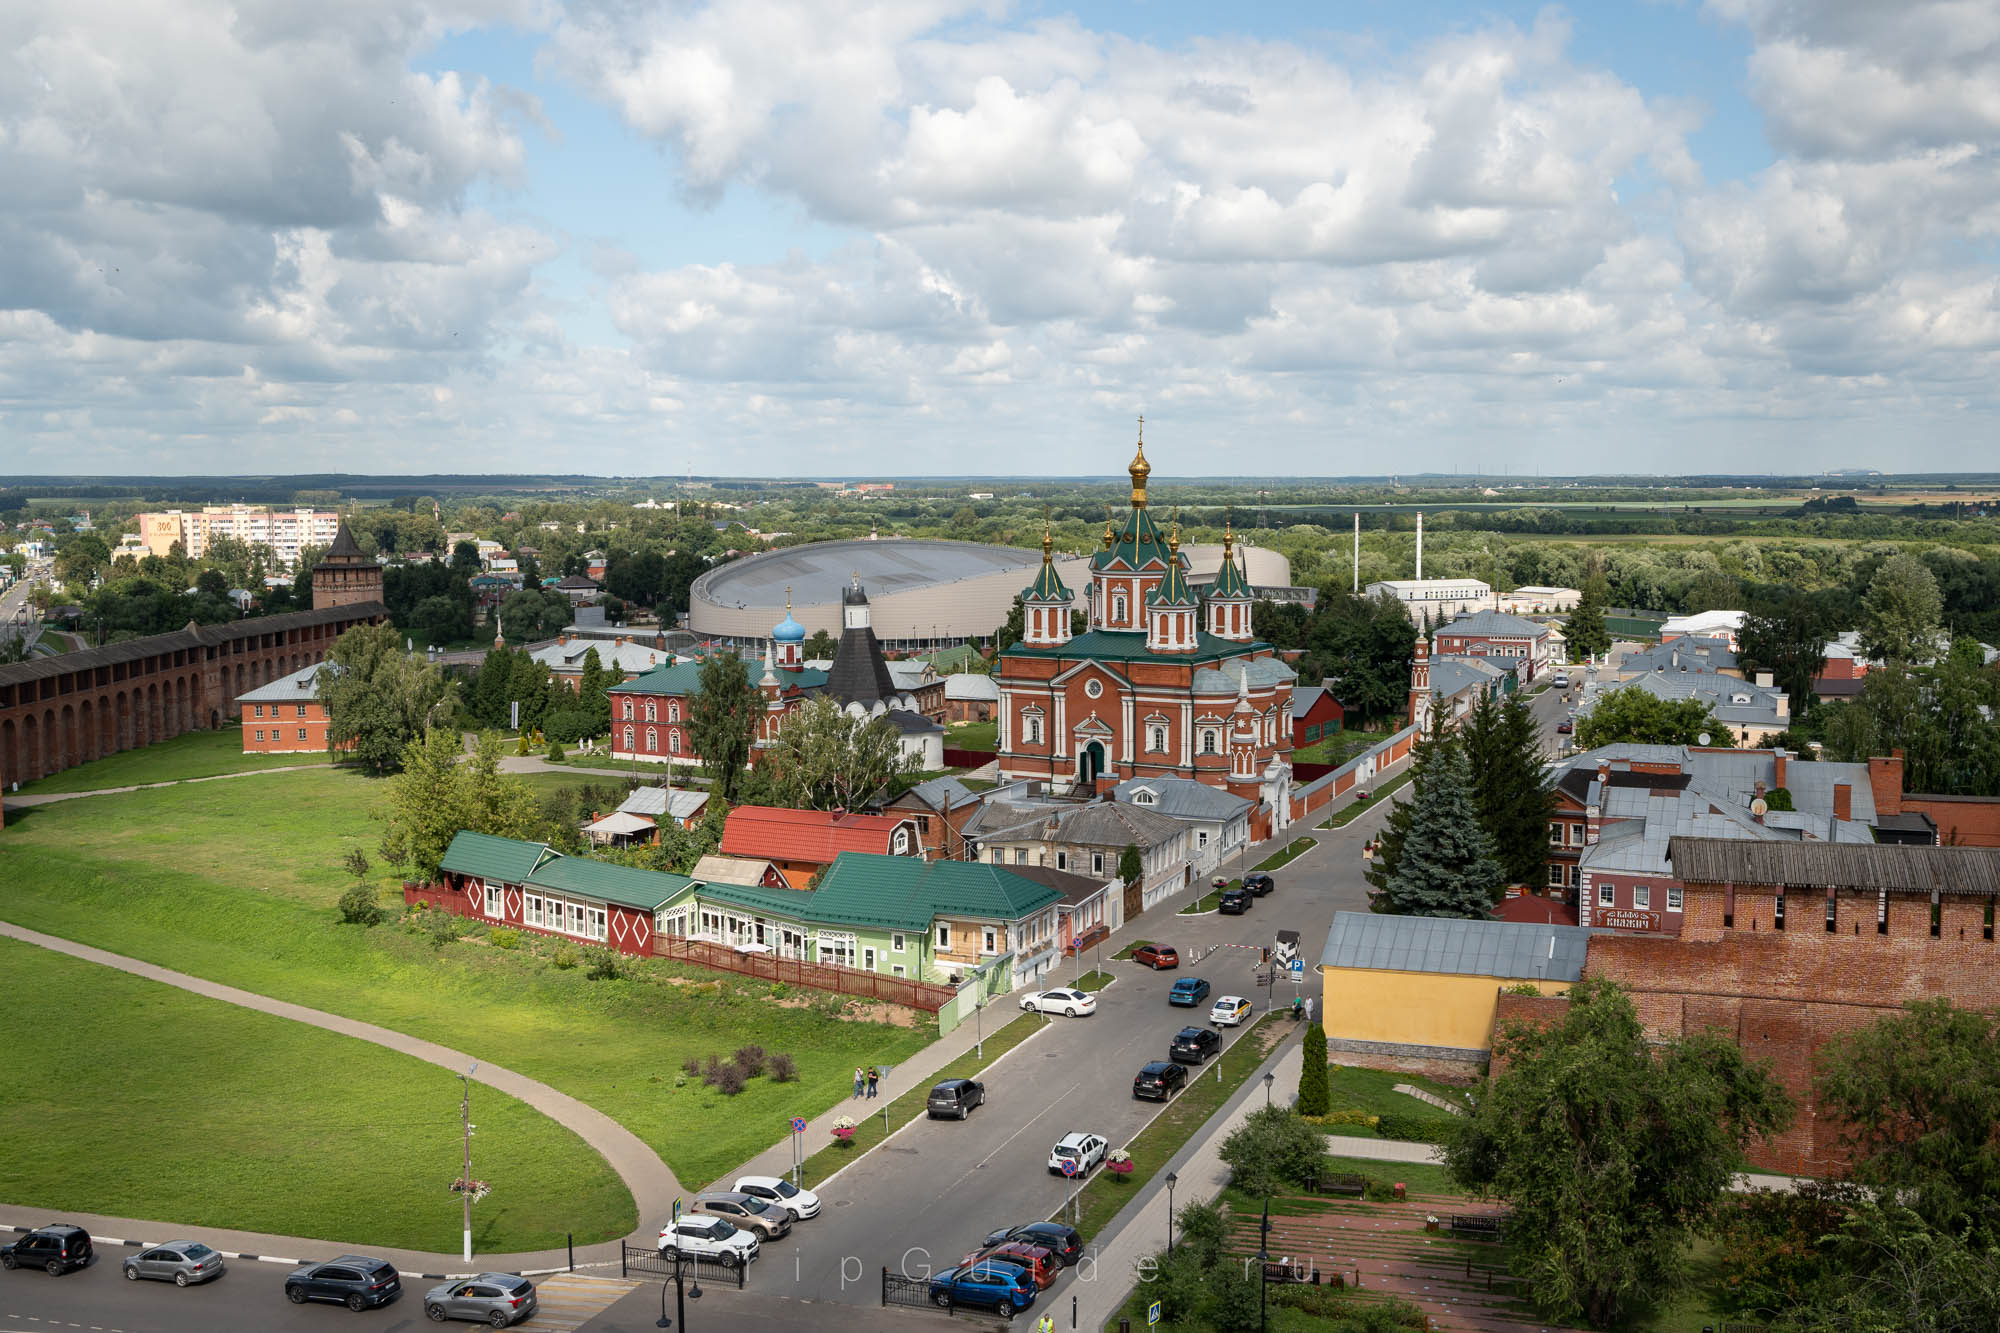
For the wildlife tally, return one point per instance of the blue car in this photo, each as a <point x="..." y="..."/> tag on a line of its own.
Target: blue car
<point x="1001" y="1288"/>
<point x="1188" y="991"/>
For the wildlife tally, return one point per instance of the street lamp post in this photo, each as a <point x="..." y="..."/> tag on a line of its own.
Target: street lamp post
<point x="1172" y="1179"/>
<point x="978" y="1025"/>
<point x="1269" y="1079"/>
<point x="681" y="1297"/>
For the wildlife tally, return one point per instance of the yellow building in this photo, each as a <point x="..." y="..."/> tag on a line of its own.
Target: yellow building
<point x="1407" y="989"/>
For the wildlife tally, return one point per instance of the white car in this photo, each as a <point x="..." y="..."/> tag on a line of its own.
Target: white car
<point x="1229" y="1011"/>
<point x="1086" y="1150"/>
<point x="780" y="1193"/>
<point x="1075" y="1003"/>
<point x="710" y="1238"/>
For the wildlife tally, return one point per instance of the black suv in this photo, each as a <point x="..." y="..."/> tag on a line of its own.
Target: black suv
<point x="1193" y="1045"/>
<point x="1235" y="902"/>
<point x="955" y="1097"/>
<point x="57" y="1247"/>
<point x="1158" y="1080"/>
<point x="1259" y="883"/>
<point x="354" y="1280"/>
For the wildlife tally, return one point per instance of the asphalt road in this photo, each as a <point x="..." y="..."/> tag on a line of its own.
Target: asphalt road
<point x="922" y="1200"/>
<point x="250" y="1295"/>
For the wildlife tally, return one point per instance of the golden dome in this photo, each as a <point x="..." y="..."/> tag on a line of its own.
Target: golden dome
<point x="1140" y="469"/>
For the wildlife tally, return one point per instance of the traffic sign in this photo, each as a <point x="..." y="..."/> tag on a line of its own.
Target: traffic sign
<point x="1152" y="1314"/>
<point x="1076" y="941"/>
<point x="1298" y="968"/>
<point x="1069" y="1166"/>
<point x="798" y="1124"/>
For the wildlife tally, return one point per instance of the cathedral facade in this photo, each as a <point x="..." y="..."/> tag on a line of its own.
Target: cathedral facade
<point x="1161" y="683"/>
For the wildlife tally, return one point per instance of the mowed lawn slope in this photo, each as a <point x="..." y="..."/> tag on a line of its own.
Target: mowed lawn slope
<point x="198" y="754"/>
<point x="140" y="1100"/>
<point x="234" y="881"/>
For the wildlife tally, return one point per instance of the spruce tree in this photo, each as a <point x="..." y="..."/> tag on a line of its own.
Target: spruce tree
<point x="1585" y="629"/>
<point x="1315" y="1094"/>
<point x="1389" y="843"/>
<point x="1445" y="866"/>
<point x="1510" y="785"/>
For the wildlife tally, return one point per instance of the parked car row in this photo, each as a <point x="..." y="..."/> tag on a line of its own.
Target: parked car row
<point x="1015" y="1265"/>
<point x="729" y="1227"/>
<point x="355" y="1280"/>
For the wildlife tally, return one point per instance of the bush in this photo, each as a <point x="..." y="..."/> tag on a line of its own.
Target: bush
<point x="1273" y="1149"/>
<point x="692" y="1066"/>
<point x="1177" y="1281"/>
<point x="361" y="906"/>
<point x="1233" y="1297"/>
<point x="1768" y="1245"/>
<point x="750" y="1059"/>
<point x="601" y="964"/>
<point x="1202" y="1230"/>
<point x="784" y="1069"/>
<point x="711" y="1071"/>
<point x="442" y="927"/>
<point x="555" y="752"/>
<point x="1314" y="1093"/>
<point x="564" y="957"/>
<point x="1410" y="1128"/>
<point x="503" y="938"/>
<point x="728" y="1080"/>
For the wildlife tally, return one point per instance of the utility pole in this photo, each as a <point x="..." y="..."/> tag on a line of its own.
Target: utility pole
<point x="465" y="1182"/>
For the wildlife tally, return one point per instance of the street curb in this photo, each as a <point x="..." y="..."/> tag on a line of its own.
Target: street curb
<point x="281" y="1259"/>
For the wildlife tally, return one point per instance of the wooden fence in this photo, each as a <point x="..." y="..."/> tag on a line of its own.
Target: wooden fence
<point x="798" y="972"/>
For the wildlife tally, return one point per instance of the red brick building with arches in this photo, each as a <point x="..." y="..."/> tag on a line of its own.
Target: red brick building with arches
<point x="58" y="712"/>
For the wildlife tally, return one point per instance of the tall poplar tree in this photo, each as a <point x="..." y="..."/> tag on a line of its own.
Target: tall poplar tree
<point x="1445" y="866"/>
<point x="722" y="718"/>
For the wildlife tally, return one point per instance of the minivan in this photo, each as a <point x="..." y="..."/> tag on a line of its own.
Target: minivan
<point x="955" y="1097"/>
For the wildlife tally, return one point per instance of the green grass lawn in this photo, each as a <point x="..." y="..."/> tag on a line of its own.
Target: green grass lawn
<point x="1093" y="981"/>
<point x="189" y="1110"/>
<point x="1155" y="1145"/>
<point x="1419" y="1177"/>
<point x="1339" y="747"/>
<point x="234" y="881"/>
<point x="1377" y="794"/>
<point x="198" y="754"/>
<point x="1287" y="854"/>
<point x="1210" y="901"/>
<point x="1126" y="952"/>
<point x="972" y="735"/>
<point x="1373" y="1091"/>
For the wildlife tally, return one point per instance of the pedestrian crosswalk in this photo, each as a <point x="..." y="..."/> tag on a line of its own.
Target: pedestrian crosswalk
<point x="568" y="1301"/>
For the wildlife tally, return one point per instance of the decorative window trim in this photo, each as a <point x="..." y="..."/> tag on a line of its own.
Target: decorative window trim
<point x="1607" y="895"/>
<point x="1094" y="688"/>
<point x="897" y="941"/>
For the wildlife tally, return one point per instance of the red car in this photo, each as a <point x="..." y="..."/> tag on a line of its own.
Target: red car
<point x="1156" y="956"/>
<point x="1565" y="727"/>
<point x="1040" y="1261"/>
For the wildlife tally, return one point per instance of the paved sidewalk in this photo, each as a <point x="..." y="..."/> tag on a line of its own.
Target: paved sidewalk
<point x="50" y="798"/>
<point x="652" y="1184"/>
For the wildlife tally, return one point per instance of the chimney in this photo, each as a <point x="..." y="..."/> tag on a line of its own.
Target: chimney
<point x="1885" y="783"/>
<point x="1758" y="796"/>
<point x="1843" y="801"/>
<point x="1764" y="680"/>
<point x="1420" y="545"/>
<point x="1604" y="770"/>
<point x="1778" y="758"/>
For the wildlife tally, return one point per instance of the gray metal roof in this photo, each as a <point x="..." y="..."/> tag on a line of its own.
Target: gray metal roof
<point x="652" y="801"/>
<point x="1515" y="950"/>
<point x="971" y="686"/>
<point x="1494" y="624"/>
<point x="1683" y="654"/>
<point x="821" y="571"/>
<point x="1898" y="867"/>
<point x="1258" y="670"/>
<point x="1182" y="798"/>
<point x="302" y="686"/>
<point x="1087" y="823"/>
<point x="1304" y="697"/>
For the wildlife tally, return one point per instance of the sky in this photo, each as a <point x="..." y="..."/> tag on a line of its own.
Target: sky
<point x="955" y="237"/>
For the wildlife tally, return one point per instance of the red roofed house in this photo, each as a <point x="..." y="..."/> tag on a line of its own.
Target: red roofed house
<point x="801" y="843"/>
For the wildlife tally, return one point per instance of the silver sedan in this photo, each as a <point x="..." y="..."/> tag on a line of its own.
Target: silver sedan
<point x="181" y="1262"/>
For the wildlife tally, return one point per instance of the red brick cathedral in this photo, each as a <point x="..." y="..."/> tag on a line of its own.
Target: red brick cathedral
<point x="1163" y="681"/>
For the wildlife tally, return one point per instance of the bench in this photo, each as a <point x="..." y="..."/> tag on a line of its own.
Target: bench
<point x="1477" y="1226"/>
<point x="1352" y="1185"/>
<point x="1289" y="1270"/>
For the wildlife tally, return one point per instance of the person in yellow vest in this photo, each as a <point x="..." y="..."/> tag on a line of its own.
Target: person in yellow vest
<point x="1045" y="1325"/>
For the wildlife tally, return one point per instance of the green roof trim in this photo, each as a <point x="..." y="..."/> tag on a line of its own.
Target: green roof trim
<point x="904" y="893"/>
<point x="1138" y="545"/>
<point x="483" y="856"/>
<point x="684" y="679"/>
<point x="624" y="885"/>
<point x="1108" y="645"/>
<point x="1047" y="587"/>
<point x="1172" y="589"/>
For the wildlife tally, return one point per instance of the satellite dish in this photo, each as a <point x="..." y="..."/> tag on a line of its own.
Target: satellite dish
<point x="1759" y="807"/>
<point x="1702" y="739"/>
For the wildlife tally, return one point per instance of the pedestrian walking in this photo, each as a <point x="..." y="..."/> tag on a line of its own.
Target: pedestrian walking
<point x="860" y="1080"/>
<point x="1045" y="1324"/>
<point x="874" y="1077"/>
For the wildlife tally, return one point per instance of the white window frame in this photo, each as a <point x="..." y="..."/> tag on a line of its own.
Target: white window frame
<point x="1555" y="875"/>
<point x="496" y="899"/>
<point x="1642" y="897"/>
<point x="1607" y="895"/>
<point x="989" y="940"/>
<point x="1097" y="863"/>
<point x="1556" y="834"/>
<point x="944" y="936"/>
<point x="896" y="941"/>
<point x="900" y="845"/>
<point x="1673" y="897"/>
<point x="1062" y="859"/>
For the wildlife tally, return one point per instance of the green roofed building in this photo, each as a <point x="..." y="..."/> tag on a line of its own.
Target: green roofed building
<point x="935" y="921"/>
